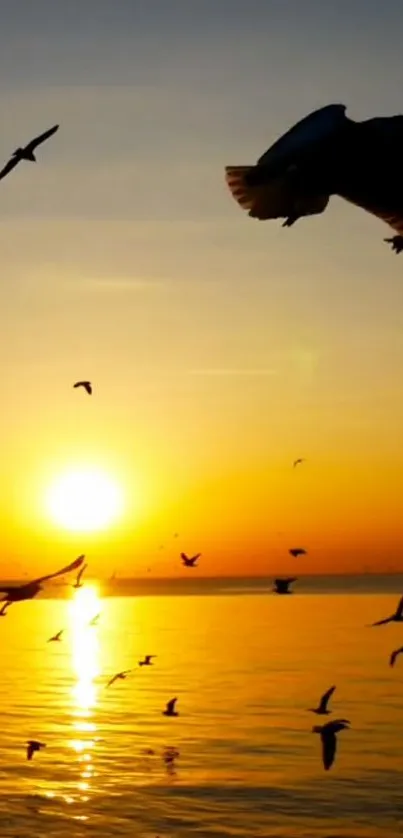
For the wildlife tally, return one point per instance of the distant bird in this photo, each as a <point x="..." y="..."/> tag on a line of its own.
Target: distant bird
<point x="325" y="154"/>
<point x="94" y="621"/>
<point x="321" y="709"/>
<point x="27" y="152"/>
<point x="397" y="617"/>
<point x="190" y="561"/>
<point x="119" y="676"/>
<point x="170" y="708"/>
<point x="297" y="551"/>
<point x="282" y="586"/>
<point x="176" y="535"/>
<point x="147" y="660"/>
<point x="298" y="462"/>
<point x="17" y="593"/>
<point x="3" y="612"/>
<point x="169" y="756"/>
<point x="329" y="741"/>
<point x="85" y="384"/>
<point x="394" y="655"/>
<point x="56" y="637"/>
<point x="32" y="746"/>
<point x="78" y="583"/>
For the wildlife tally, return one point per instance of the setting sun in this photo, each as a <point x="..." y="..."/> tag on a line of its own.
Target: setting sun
<point x="84" y="500"/>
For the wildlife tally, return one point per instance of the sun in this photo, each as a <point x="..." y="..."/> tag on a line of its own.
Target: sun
<point x="84" y="500"/>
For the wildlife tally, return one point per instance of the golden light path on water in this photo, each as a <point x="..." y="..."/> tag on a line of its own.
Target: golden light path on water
<point x="85" y="606"/>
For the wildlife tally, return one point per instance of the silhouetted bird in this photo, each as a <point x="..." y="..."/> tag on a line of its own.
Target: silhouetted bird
<point x="147" y="660"/>
<point x="78" y="583"/>
<point x="321" y="709"/>
<point x="394" y="655"/>
<point x="397" y="617"/>
<point x="16" y="593"/>
<point x="298" y="462"/>
<point x="119" y="676"/>
<point x="325" y="154"/>
<point x="56" y="637"/>
<point x="27" y="152"/>
<point x="32" y="746"/>
<point x="281" y="586"/>
<point x="170" y="708"/>
<point x="329" y="741"/>
<point x="85" y="384"/>
<point x="190" y="561"/>
<point x="297" y="551"/>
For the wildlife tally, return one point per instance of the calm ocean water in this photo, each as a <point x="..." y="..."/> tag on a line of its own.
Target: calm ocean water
<point x="244" y="667"/>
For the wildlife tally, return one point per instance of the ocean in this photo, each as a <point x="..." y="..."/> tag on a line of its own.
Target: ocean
<point x="244" y="664"/>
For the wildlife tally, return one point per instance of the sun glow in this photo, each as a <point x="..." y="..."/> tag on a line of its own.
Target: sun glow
<point x="84" y="500"/>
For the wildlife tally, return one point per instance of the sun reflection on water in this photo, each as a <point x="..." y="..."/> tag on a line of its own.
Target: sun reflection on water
<point x="85" y="660"/>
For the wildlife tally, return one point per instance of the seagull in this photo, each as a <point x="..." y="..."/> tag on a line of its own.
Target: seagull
<point x="170" y="708"/>
<point x="147" y="660"/>
<point x="27" y="152"/>
<point x="321" y="709"/>
<point x="298" y="462"/>
<point x="281" y="586"/>
<point x="397" y="617"/>
<point x="297" y="551"/>
<point x="190" y="561"/>
<point x="17" y="593"/>
<point x="78" y="583"/>
<point x="394" y="655"/>
<point x="329" y="741"/>
<point x="56" y="637"/>
<point x="85" y="384"/>
<point x="32" y="746"/>
<point x="3" y="612"/>
<point x="326" y="154"/>
<point x="94" y="621"/>
<point x="119" y="676"/>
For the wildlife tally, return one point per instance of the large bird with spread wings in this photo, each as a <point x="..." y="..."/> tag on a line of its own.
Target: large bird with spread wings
<point x="26" y="152"/>
<point x="17" y="593"/>
<point x="326" y="154"/>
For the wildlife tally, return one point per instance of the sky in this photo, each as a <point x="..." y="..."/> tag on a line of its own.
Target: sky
<point x="220" y="348"/>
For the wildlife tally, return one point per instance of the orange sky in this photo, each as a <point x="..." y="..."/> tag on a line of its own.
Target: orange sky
<point x="220" y="349"/>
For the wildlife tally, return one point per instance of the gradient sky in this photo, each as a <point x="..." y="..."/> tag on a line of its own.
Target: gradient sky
<point x="220" y="348"/>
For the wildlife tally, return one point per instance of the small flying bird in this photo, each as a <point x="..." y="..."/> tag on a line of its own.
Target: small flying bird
<point x="282" y="586"/>
<point x="17" y="593"/>
<point x="119" y="676"/>
<point x="85" y="384"/>
<point x="3" y="612"/>
<point x="321" y="709"/>
<point x="56" y="637"/>
<point x="170" y="708"/>
<point x="94" y="621"/>
<point x="329" y="740"/>
<point x="32" y="746"/>
<point x="397" y="617"/>
<point x="190" y="561"/>
<point x="27" y="152"/>
<point x="78" y="583"/>
<point x="394" y="655"/>
<point x="297" y="551"/>
<point x="326" y="154"/>
<point x="147" y="660"/>
<point x="298" y="462"/>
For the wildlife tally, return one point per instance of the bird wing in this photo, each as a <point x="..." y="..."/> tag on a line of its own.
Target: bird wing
<point x="197" y="556"/>
<point x="80" y="572"/>
<point x="88" y="388"/>
<point x="394" y="656"/>
<point x="30" y="750"/>
<point x="73" y="566"/>
<point x="382" y="622"/>
<point x="325" y="698"/>
<point x="310" y="131"/>
<point x="112" y="681"/>
<point x="12" y="163"/>
<point x="184" y="557"/>
<point x="41" y="138"/>
<point x="171" y="704"/>
<point x="399" y="609"/>
<point x="329" y="745"/>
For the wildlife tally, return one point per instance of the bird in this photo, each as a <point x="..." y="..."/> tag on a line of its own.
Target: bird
<point x="147" y="660"/>
<point x="17" y="593"/>
<point x="170" y="708"/>
<point x="56" y="637"/>
<point x="85" y="384"/>
<point x="394" y="655"/>
<point x="321" y="709"/>
<point x="282" y="586"/>
<point x="3" y="612"/>
<point x="298" y="462"/>
<point x="397" y="617"/>
<point x="297" y="551"/>
<point x="326" y="154"/>
<point x="329" y="740"/>
<point x="94" y="621"/>
<point x="78" y="583"/>
<point x="32" y="746"/>
<point x="26" y="152"/>
<point x="190" y="561"/>
<point x="119" y="676"/>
